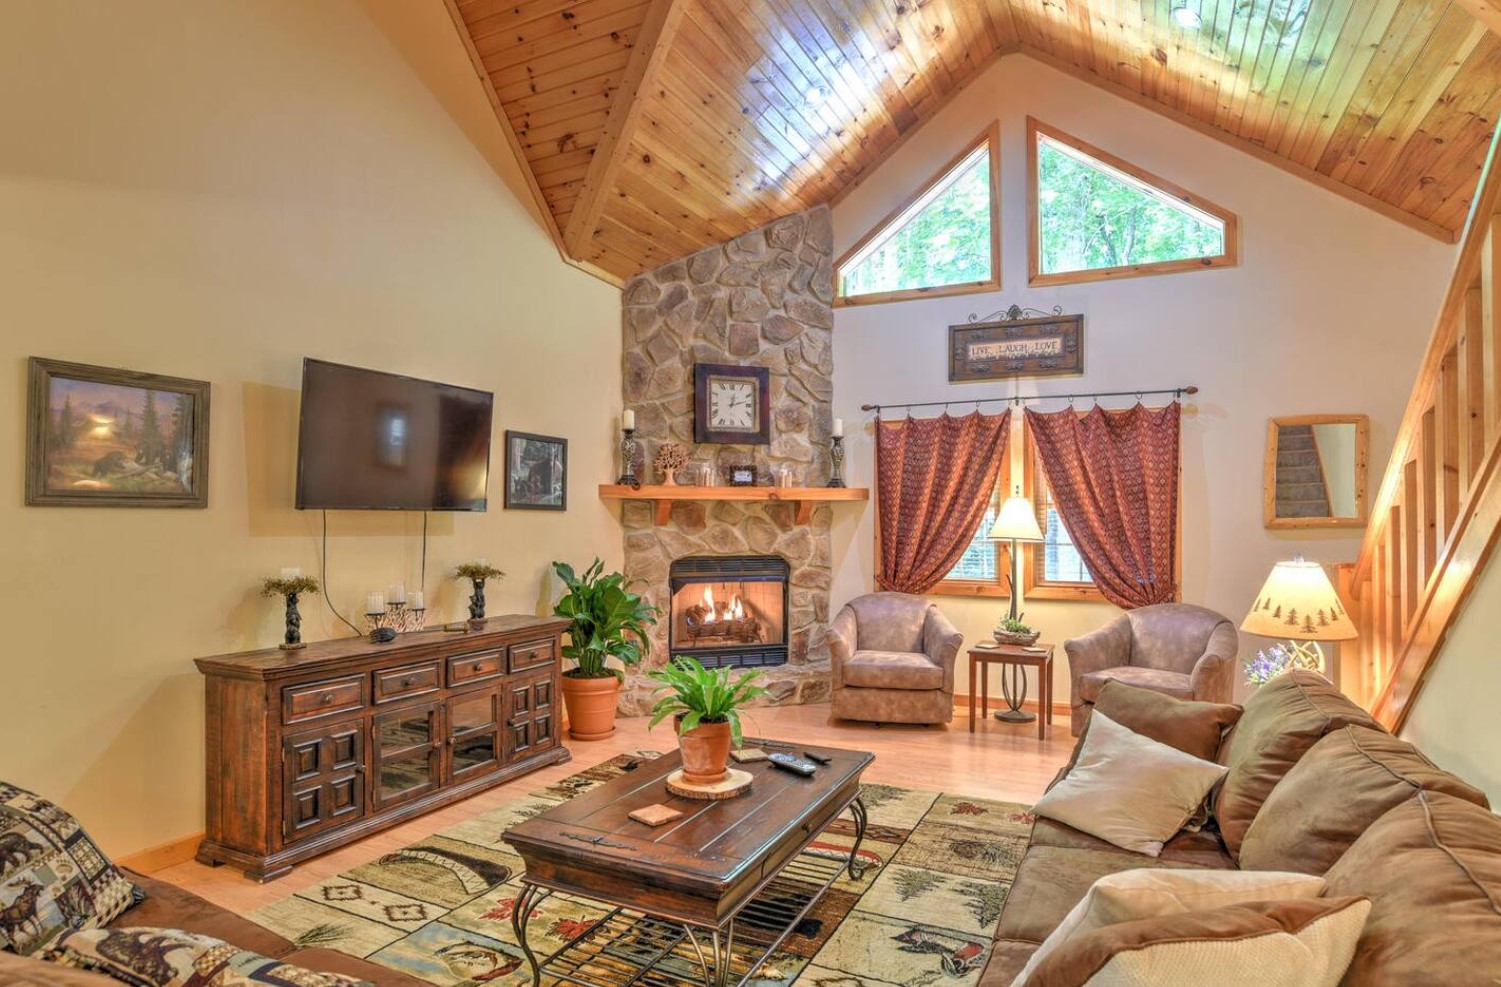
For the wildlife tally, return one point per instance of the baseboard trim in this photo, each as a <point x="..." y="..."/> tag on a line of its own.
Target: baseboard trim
<point x="998" y="702"/>
<point x="159" y="858"/>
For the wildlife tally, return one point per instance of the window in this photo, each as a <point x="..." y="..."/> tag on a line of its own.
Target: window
<point x="944" y="241"/>
<point x="1096" y="217"/>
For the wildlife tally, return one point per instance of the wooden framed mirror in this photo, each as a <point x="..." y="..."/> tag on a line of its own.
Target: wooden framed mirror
<point x="1316" y="471"/>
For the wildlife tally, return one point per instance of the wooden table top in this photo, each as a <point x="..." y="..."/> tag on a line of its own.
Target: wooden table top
<point x="701" y="867"/>
<point x="1013" y="653"/>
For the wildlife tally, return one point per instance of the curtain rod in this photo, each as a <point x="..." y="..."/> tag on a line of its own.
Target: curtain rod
<point x="1018" y="400"/>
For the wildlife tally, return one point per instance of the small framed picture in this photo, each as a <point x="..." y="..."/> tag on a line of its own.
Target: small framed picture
<point x="536" y="472"/>
<point x="101" y="437"/>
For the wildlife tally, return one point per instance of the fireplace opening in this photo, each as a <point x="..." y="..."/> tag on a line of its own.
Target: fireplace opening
<point x="729" y="611"/>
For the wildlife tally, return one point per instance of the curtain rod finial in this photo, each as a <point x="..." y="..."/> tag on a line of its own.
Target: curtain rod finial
<point x="1190" y="389"/>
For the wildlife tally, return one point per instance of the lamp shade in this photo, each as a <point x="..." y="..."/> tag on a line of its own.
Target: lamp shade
<point x="1298" y="602"/>
<point x="1016" y="521"/>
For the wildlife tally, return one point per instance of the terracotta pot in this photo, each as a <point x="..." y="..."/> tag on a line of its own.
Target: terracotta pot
<point x="706" y="749"/>
<point x="591" y="706"/>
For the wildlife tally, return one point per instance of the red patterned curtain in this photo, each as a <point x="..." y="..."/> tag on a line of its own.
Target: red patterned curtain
<point x="1114" y="476"/>
<point x="935" y="478"/>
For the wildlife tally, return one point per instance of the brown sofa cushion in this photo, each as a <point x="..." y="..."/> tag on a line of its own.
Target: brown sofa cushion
<point x="1174" y="684"/>
<point x="1285" y="718"/>
<point x="1197" y="849"/>
<point x="26" y="971"/>
<point x="170" y="907"/>
<point x="1192" y="727"/>
<point x="1342" y="785"/>
<point x="892" y="670"/>
<point x="1432" y="869"/>
<point x="1007" y="957"/>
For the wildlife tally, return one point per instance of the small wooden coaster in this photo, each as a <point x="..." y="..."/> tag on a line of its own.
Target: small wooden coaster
<point x="734" y="782"/>
<point x="656" y="815"/>
<point x="746" y="755"/>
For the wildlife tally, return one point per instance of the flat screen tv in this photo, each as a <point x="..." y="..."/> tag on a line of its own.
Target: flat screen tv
<point x="382" y="442"/>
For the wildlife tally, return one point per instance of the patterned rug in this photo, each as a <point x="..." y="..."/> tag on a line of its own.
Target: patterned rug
<point x="923" y="912"/>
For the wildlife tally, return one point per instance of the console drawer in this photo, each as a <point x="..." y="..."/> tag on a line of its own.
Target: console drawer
<point x="463" y="669"/>
<point x="532" y="654"/>
<point x="314" y="699"/>
<point x="411" y="680"/>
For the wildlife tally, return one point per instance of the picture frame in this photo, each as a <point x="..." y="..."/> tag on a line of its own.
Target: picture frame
<point x="731" y="404"/>
<point x="103" y="437"/>
<point x="1049" y="346"/>
<point x="536" y="474"/>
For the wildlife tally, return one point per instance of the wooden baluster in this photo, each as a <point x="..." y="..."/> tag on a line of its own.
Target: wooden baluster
<point x="1425" y="490"/>
<point x="1447" y="444"/>
<point x="1490" y="269"/>
<point x="1470" y="351"/>
<point x="1379" y="602"/>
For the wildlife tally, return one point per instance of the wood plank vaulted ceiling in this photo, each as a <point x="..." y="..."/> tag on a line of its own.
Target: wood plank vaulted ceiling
<point x="653" y="128"/>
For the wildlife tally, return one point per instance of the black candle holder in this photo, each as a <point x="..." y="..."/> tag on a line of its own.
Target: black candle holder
<point x="630" y="453"/>
<point x="477" y="573"/>
<point x="289" y="589"/>
<point x="836" y="462"/>
<point x="477" y="600"/>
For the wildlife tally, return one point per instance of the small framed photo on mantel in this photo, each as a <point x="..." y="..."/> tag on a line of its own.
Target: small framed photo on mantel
<point x="536" y="472"/>
<point x="101" y="437"/>
<point x="1051" y="346"/>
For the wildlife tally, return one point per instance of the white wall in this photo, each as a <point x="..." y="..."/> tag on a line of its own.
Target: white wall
<point x="1329" y="311"/>
<point x="214" y="190"/>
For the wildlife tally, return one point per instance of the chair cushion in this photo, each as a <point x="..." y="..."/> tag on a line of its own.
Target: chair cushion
<point x="892" y="670"/>
<point x="1342" y="785"/>
<point x="1432" y="869"/>
<point x="53" y="878"/>
<point x="1173" y="684"/>
<point x="889" y="621"/>
<point x="1285" y="717"/>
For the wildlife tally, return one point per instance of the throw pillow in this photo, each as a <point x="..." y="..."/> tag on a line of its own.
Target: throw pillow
<point x="1137" y="894"/>
<point x="1128" y="789"/>
<point x="1190" y="726"/>
<point x="168" y="958"/>
<point x="53" y="879"/>
<point x="1306" y="942"/>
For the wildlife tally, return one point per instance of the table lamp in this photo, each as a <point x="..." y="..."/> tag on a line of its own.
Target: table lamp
<point x="1298" y="603"/>
<point x="1016" y="522"/>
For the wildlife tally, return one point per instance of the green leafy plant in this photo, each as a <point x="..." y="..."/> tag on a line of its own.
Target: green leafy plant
<point x="1015" y="625"/>
<point x="291" y="586"/>
<point x="702" y="695"/>
<point x="608" y="621"/>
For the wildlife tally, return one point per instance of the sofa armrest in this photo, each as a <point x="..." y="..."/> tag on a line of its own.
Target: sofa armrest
<point x="843" y="637"/>
<point x="1213" y="676"/>
<point x="941" y="642"/>
<point x="1107" y="647"/>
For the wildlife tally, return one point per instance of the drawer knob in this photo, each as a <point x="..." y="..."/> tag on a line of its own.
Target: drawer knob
<point x="327" y="699"/>
<point x="406" y="683"/>
<point x="479" y="666"/>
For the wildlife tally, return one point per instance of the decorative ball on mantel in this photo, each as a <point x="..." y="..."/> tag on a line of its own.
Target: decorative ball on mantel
<point x="670" y="458"/>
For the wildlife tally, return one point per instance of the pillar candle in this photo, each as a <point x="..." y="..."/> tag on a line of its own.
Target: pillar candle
<point x="839" y="428"/>
<point x="375" y="603"/>
<point x="291" y="573"/>
<point x="418" y="602"/>
<point x="397" y="593"/>
<point x="628" y="419"/>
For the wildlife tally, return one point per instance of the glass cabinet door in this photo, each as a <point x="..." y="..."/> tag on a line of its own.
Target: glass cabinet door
<point x="407" y="748"/>
<point x="474" y="734"/>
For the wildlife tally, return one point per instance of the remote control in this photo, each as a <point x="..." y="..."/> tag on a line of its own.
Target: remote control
<point x="794" y="764"/>
<point x="820" y="758"/>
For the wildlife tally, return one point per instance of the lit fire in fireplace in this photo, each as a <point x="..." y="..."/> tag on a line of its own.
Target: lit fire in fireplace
<point x="727" y="620"/>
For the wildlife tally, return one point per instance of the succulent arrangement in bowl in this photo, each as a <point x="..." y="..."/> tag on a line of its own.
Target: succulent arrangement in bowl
<point x="1013" y="630"/>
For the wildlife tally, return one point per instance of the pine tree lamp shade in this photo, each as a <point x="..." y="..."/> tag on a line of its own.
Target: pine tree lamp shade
<point x="1298" y="603"/>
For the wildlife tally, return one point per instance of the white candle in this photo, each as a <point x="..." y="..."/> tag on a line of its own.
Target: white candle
<point x="291" y="573"/>
<point x="482" y="561"/>
<point x="418" y="603"/>
<point x="397" y="593"/>
<point x="839" y="428"/>
<point x="628" y="419"/>
<point x="375" y="603"/>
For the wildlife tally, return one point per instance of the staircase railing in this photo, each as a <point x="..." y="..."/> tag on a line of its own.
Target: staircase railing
<point x="1438" y="512"/>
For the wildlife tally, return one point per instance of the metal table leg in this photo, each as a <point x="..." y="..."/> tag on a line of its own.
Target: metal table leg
<point x="526" y="903"/>
<point x="1015" y="692"/>
<point x="857" y="809"/>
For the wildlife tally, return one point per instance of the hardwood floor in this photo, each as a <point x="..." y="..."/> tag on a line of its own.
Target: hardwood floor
<point x="999" y="761"/>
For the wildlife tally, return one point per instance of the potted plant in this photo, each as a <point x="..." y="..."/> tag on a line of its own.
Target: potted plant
<point x="1011" y="630"/>
<point x="707" y="707"/>
<point x="607" y="621"/>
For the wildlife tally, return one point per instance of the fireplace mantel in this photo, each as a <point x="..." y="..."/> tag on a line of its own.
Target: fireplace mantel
<point x="662" y="497"/>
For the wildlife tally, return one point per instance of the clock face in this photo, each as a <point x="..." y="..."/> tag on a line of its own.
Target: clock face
<point x="733" y="404"/>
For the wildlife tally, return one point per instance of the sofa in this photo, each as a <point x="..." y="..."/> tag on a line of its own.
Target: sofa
<point x="892" y="660"/>
<point x="1177" y="649"/>
<point x="169" y="907"/>
<point x="1314" y="785"/>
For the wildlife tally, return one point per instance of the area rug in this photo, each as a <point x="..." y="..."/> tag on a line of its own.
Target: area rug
<point x="923" y="913"/>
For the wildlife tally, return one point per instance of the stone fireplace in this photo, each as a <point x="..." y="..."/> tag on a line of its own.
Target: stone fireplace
<point x="764" y="299"/>
<point x="729" y="611"/>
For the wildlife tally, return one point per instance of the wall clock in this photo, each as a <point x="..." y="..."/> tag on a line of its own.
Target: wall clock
<point x="731" y="404"/>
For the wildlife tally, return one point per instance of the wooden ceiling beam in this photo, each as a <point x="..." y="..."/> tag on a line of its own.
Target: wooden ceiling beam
<point x="652" y="44"/>
<point x="1487" y="12"/>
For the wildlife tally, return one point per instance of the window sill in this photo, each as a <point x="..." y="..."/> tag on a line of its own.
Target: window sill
<point x="1039" y="280"/>
<point x="995" y="591"/>
<point x="1078" y="594"/>
<point x="908" y="294"/>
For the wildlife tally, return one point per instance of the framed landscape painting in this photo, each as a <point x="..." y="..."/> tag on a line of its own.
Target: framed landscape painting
<point x="100" y="437"/>
<point x="536" y="472"/>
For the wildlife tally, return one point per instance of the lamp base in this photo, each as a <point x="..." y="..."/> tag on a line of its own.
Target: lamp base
<point x="1015" y="716"/>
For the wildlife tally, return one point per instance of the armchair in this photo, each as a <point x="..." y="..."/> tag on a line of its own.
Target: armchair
<point x="1177" y="649"/>
<point x="893" y="660"/>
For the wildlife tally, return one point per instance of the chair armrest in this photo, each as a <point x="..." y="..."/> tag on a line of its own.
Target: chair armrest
<point x="843" y="637"/>
<point x="1213" y="676"/>
<point x="941" y="641"/>
<point x="1107" y="647"/>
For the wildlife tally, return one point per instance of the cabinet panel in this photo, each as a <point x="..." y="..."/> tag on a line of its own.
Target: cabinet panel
<point x="469" y="669"/>
<point x="529" y="716"/>
<point x="532" y="654"/>
<point x="315" y="699"/>
<point x="323" y="778"/>
<point x="408" y="682"/>
<point x="475" y="740"/>
<point x="407" y="761"/>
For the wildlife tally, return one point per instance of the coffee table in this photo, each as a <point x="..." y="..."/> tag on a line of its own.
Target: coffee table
<point x="707" y="897"/>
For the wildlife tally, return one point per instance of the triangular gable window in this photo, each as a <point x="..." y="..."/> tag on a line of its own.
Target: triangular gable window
<point x="945" y="240"/>
<point x="1097" y="217"/>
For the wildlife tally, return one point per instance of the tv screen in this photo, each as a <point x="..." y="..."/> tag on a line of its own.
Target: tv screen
<point x="378" y="441"/>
